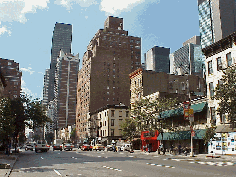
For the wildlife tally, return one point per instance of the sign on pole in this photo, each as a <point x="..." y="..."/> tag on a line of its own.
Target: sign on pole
<point x="192" y="133"/>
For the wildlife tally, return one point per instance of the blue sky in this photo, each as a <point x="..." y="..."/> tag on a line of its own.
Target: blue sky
<point x="26" y="28"/>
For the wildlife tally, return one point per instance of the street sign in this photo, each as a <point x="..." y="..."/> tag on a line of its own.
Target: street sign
<point x="186" y="105"/>
<point x="191" y="118"/>
<point x="186" y="113"/>
<point x="190" y="111"/>
<point x="192" y="133"/>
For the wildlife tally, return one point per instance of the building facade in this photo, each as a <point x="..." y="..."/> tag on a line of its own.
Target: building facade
<point x="65" y="89"/>
<point x="219" y="56"/>
<point x="157" y="59"/>
<point x="216" y="20"/>
<point x="144" y="83"/>
<point x="106" y="123"/>
<point x="188" y="59"/>
<point x="12" y="75"/>
<point x="104" y="77"/>
<point x="61" y="40"/>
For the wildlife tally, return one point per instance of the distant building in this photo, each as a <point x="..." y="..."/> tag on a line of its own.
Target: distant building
<point x="188" y="59"/>
<point x="105" y="123"/>
<point x="10" y="71"/>
<point x="61" y="40"/>
<point x="65" y="89"/>
<point x="2" y="84"/>
<point x="217" y="19"/>
<point x="104" y="77"/>
<point x="157" y="59"/>
<point x="144" y="83"/>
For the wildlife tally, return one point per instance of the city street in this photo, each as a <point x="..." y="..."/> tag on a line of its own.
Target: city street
<point x="92" y="163"/>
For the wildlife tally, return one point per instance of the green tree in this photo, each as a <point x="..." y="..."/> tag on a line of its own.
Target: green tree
<point x="225" y="92"/>
<point x="209" y="134"/>
<point x="129" y="129"/>
<point x="73" y="135"/>
<point x="147" y="113"/>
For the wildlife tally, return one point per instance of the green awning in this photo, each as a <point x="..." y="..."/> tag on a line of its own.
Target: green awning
<point x="180" y="111"/>
<point x="182" y="135"/>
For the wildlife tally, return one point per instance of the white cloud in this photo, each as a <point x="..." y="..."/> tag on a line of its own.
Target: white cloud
<point x="26" y="90"/>
<point x="29" y="69"/>
<point x="41" y="73"/>
<point x="4" y="29"/>
<point x="69" y="3"/>
<point x="115" y="7"/>
<point x="15" y="10"/>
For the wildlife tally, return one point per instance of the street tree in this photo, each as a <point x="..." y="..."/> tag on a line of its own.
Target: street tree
<point x="225" y="92"/>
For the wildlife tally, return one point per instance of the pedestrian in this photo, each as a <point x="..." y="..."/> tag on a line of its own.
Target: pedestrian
<point x="171" y="148"/>
<point x="179" y="149"/>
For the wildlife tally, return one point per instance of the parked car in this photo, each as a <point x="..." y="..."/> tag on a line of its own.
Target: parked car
<point x="126" y="147"/>
<point x="57" y="147"/>
<point x="41" y="145"/>
<point x="99" y="147"/>
<point x="29" y="147"/>
<point x="68" y="147"/>
<point x="86" y="147"/>
<point x="109" y="147"/>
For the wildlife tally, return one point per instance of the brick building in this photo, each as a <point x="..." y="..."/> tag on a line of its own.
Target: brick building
<point x="104" y="77"/>
<point x="12" y="75"/>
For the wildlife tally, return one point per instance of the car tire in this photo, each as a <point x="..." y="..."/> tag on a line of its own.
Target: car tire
<point x="61" y="150"/>
<point x="26" y="149"/>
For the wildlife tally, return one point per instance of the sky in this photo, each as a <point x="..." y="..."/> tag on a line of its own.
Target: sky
<point x="26" y="29"/>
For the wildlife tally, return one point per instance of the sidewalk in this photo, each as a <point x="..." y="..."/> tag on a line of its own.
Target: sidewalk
<point x="197" y="156"/>
<point x="7" y="163"/>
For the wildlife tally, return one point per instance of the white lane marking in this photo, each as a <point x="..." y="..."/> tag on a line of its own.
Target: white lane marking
<point x="99" y="156"/>
<point x="41" y="157"/>
<point x="159" y="165"/>
<point x="57" y="172"/>
<point x="153" y="164"/>
<point x="167" y="166"/>
<point x="131" y="156"/>
<point x="156" y="156"/>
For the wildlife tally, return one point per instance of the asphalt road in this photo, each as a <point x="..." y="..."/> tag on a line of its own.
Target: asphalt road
<point x="87" y="163"/>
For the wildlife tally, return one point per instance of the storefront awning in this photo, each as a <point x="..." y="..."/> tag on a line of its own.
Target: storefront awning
<point x="224" y="129"/>
<point x="182" y="135"/>
<point x="180" y="111"/>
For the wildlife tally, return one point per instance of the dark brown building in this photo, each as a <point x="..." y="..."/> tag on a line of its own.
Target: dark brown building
<point x="10" y="71"/>
<point x="104" y="78"/>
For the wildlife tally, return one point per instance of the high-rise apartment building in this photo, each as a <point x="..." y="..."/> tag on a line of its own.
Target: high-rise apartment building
<point x="157" y="59"/>
<point x="12" y="75"/>
<point x="65" y="89"/>
<point x="216" y="20"/>
<point x="104" y="77"/>
<point x="61" y="40"/>
<point x="187" y="59"/>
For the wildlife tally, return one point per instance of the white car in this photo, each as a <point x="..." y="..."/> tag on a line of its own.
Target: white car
<point x="41" y="145"/>
<point x="125" y="147"/>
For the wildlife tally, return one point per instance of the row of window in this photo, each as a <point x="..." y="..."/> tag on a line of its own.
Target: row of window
<point x="219" y="63"/>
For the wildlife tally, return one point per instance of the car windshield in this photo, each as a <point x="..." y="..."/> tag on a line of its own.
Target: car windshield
<point x="42" y="142"/>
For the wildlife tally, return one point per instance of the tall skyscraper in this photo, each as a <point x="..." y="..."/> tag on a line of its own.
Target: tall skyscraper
<point x="104" y="77"/>
<point x="187" y="59"/>
<point x="12" y="75"/>
<point x="65" y="89"/>
<point x="217" y="19"/>
<point x="157" y="59"/>
<point x="61" y="40"/>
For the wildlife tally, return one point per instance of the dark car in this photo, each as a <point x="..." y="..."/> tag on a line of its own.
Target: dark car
<point x="57" y="147"/>
<point x="86" y="147"/>
<point x="68" y="147"/>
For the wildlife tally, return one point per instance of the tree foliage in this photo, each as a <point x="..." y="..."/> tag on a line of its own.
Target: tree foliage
<point x="225" y="92"/>
<point x="14" y="114"/>
<point x="209" y="134"/>
<point x="146" y="113"/>
<point x="129" y="128"/>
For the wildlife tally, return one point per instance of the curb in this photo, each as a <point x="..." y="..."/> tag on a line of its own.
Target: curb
<point x="9" y="172"/>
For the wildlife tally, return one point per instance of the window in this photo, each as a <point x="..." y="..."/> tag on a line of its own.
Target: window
<point x="112" y="113"/>
<point x="213" y="118"/>
<point x="112" y="132"/>
<point x="211" y="89"/>
<point x="210" y="69"/>
<point x="183" y="85"/>
<point x="127" y="113"/>
<point x="112" y="122"/>
<point x="229" y="59"/>
<point x="105" y="123"/>
<point x="219" y="63"/>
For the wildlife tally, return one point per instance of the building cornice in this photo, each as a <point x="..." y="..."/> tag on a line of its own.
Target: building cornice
<point x="220" y="45"/>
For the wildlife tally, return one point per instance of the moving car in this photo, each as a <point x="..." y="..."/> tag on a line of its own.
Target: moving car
<point x="29" y="147"/>
<point x="57" y="147"/>
<point x="109" y="147"/>
<point x="99" y="147"/>
<point x="86" y="147"/>
<point x="68" y="147"/>
<point x="41" y="145"/>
